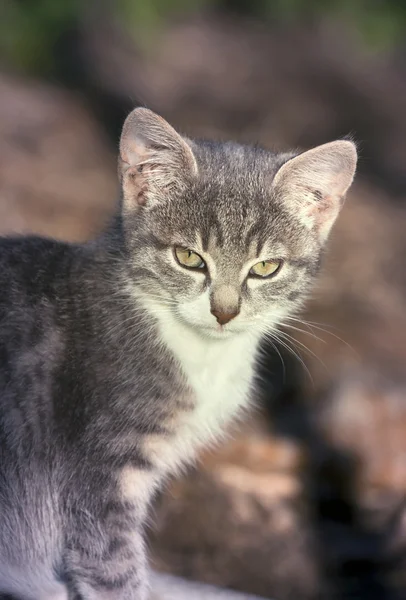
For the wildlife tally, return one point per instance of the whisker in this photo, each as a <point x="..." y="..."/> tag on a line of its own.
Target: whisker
<point x="305" y="348"/>
<point x="274" y="336"/>
<point x="322" y="327"/>
<point x="281" y="358"/>
<point x="304" y="331"/>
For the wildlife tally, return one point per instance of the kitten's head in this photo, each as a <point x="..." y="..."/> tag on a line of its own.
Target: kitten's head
<point x="224" y="237"/>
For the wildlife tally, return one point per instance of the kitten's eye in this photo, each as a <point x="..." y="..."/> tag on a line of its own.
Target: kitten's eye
<point x="266" y="268"/>
<point x="188" y="258"/>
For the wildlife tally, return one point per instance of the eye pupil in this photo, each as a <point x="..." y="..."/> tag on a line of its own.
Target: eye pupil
<point x="266" y="268"/>
<point x="188" y="258"/>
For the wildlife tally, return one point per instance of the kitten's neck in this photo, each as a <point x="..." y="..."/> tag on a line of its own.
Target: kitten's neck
<point x="218" y="374"/>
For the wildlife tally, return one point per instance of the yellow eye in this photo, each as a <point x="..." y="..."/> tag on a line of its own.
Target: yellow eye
<point x="188" y="258"/>
<point x="266" y="268"/>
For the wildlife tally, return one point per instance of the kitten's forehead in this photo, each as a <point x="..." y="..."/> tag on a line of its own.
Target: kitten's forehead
<point x="231" y="195"/>
<point x="229" y="160"/>
<point x="240" y="249"/>
<point x="229" y="209"/>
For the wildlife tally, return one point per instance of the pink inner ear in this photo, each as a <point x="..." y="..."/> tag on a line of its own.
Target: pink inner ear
<point x="135" y="185"/>
<point x="323" y="210"/>
<point x="326" y="214"/>
<point x="327" y="206"/>
<point x="322" y="202"/>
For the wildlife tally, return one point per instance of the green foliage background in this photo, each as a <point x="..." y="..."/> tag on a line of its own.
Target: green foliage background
<point x="29" y="29"/>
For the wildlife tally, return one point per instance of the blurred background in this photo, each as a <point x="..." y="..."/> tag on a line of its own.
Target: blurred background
<point x="307" y="499"/>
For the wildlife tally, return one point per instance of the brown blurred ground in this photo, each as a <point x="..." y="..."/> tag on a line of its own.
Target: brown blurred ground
<point x="299" y="505"/>
<point x="57" y="176"/>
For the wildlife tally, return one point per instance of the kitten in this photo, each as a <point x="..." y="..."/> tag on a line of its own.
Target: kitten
<point x="121" y="358"/>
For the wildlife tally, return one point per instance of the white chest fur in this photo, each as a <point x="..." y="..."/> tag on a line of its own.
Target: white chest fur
<point x="219" y="374"/>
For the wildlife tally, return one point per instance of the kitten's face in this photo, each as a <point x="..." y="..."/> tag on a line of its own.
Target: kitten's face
<point x="224" y="251"/>
<point x="223" y="243"/>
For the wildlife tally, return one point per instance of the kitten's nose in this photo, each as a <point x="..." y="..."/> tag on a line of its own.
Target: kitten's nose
<point x="224" y="317"/>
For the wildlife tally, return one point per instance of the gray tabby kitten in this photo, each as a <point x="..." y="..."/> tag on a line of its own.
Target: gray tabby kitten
<point x="121" y="358"/>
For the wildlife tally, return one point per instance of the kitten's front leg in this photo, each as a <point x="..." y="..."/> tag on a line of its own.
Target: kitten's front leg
<point x="108" y="560"/>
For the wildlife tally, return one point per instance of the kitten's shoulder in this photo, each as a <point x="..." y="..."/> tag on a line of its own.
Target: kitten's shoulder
<point x="31" y="246"/>
<point x="32" y="263"/>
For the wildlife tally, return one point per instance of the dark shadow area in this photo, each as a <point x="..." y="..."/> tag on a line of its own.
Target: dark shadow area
<point x="355" y="556"/>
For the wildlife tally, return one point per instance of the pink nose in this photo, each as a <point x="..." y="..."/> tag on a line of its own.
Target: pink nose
<point x="223" y="317"/>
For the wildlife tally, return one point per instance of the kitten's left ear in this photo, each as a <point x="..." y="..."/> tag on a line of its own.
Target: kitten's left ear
<point x="314" y="184"/>
<point x="155" y="161"/>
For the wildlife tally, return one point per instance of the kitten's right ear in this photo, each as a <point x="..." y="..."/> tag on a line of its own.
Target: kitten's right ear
<point x="313" y="184"/>
<point x="155" y="161"/>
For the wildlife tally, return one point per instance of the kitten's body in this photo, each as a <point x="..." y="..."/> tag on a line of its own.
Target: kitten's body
<point x="94" y="447"/>
<point x="113" y="371"/>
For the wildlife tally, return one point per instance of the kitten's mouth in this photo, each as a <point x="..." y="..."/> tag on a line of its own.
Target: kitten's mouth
<point x="219" y="331"/>
<point x="212" y="330"/>
<point x="222" y="329"/>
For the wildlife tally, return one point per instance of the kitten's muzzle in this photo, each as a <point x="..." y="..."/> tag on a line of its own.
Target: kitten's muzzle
<point x="224" y="302"/>
<point x="224" y="317"/>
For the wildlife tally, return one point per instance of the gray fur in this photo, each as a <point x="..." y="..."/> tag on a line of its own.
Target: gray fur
<point x="91" y="397"/>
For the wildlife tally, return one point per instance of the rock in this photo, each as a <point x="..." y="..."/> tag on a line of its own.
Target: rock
<point x="166" y="587"/>
<point x="241" y="521"/>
